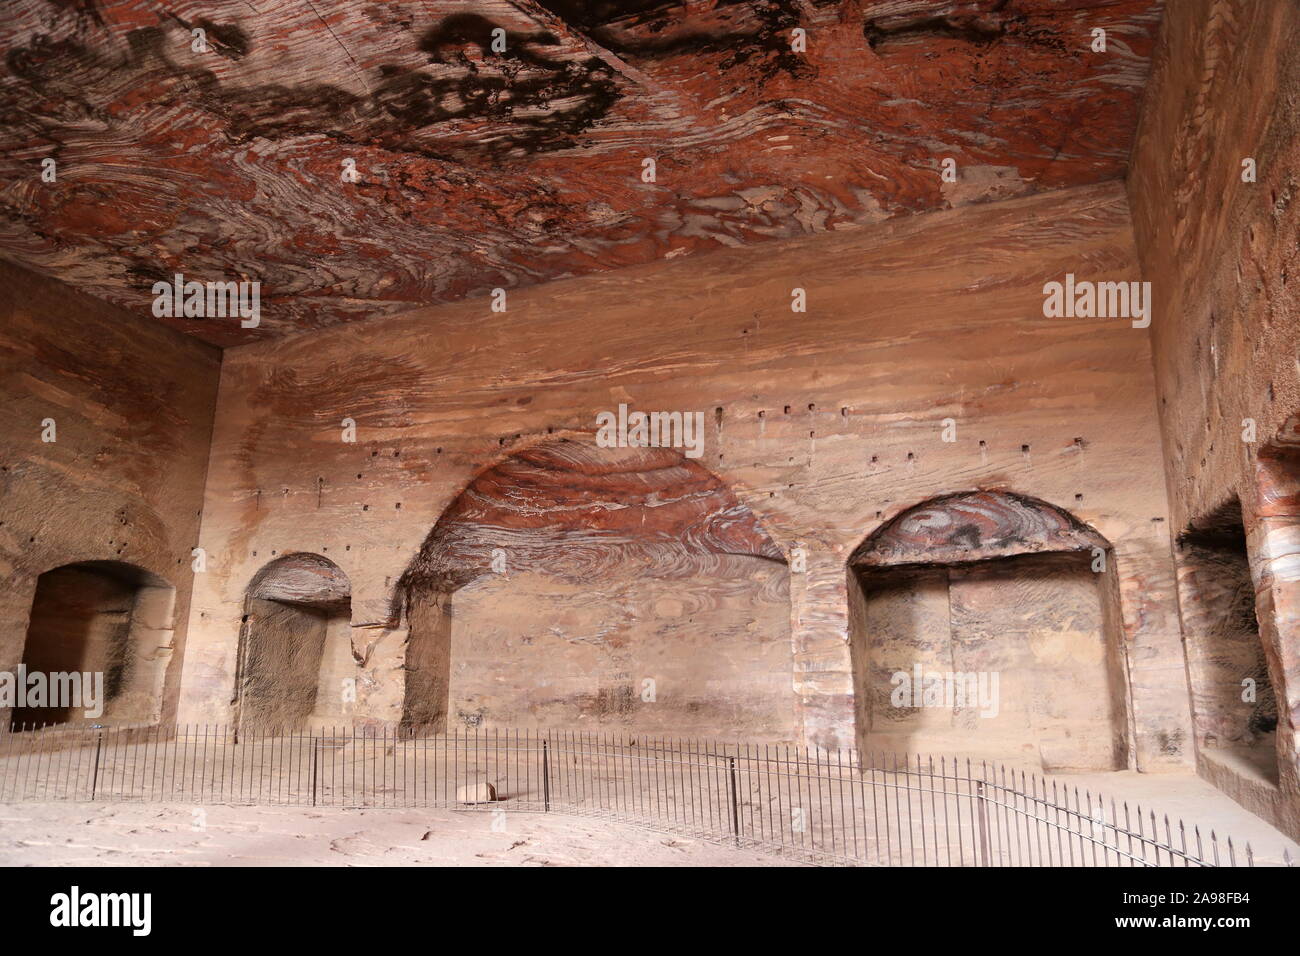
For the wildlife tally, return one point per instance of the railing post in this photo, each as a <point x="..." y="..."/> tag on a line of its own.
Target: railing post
<point x="984" y="823"/>
<point x="546" y="775"/>
<point x="315" y="750"/>
<point x="94" y="777"/>
<point x="735" y="806"/>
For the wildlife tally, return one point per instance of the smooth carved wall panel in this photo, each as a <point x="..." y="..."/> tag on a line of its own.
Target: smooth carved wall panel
<point x="1038" y="622"/>
<point x="479" y="168"/>
<point x="711" y="634"/>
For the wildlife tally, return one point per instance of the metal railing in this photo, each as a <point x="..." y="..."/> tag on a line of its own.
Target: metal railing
<point x="817" y="806"/>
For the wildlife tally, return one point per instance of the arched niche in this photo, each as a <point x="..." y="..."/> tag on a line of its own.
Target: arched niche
<point x="987" y="623"/>
<point x="109" y="622"/>
<point x="1234" y="708"/>
<point x="577" y="586"/>
<point x="295" y="647"/>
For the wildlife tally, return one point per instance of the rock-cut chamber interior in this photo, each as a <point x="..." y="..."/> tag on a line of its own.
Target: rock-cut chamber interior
<point x="982" y="625"/>
<point x="104" y="618"/>
<point x="574" y="586"/>
<point x="1233" y="705"/>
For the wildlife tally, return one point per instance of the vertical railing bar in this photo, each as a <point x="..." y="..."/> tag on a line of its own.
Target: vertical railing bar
<point x="19" y="744"/>
<point x="55" y="765"/>
<point x="880" y="790"/>
<point x="983" y="824"/>
<point x="94" y="780"/>
<point x="66" y="786"/>
<point x="147" y="778"/>
<point x="770" y="833"/>
<point x="106" y="765"/>
<point x="709" y="783"/>
<point x="38" y="751"/>
<point x="636" y="749"/>
<point x="627" y="800"/>
<point x="920" y="800"/>
<point x="805" y="798"/>
<point x="892" y="784"/>
<point x="669" y="817"/>
<point x="1022" y="823"/>
<point x="1091" y="823"/>
<point x="39" y="745"/>
<point x="611" y="760"/>
<point x="70" y="750"/>
<point x="1005" y="856"/>
<point x="205" y="786"/>
<point x="225" y="752"/>
<point x="20" y="770"/>
<point x="33" y="757"/>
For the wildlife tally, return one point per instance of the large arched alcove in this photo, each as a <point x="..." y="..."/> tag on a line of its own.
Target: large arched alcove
<point x="295" y="646"/>
<point x="581" y="587"/>
<point x="987" y="623"/>
<point x="110" y="622"/>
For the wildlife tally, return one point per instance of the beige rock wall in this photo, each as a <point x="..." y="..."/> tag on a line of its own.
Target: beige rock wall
<point x="705" y="653"/>
<point x="1025" y="640"/>
<point x="281" y="667"/>
<point x="132" y="405"/>
<point x="1222" y="256"/>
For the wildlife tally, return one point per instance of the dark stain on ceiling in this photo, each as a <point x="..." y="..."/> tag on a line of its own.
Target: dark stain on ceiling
<point x="500" y="144"/>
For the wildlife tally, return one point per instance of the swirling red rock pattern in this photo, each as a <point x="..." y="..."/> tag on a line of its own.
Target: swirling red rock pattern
<point x="481" y="169"/>
<point x="973" y="526"/>
<point x="302" y="578"/>
<point x="573" y="509"/>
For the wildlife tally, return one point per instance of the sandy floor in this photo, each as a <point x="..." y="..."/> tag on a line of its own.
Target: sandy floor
<point x="131" y="834"/>
<point x="1194" y="800"/>
<point x="84" y="834"/>
<point x="125" y="834"/>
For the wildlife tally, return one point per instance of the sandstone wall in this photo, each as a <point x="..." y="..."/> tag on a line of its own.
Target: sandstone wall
<point x="1034" y="621"/>
<point x="825" y="424"/>
<point x="132" y="404"/>
<point x="1222" y="255"/>
<point x="712" y="637"/>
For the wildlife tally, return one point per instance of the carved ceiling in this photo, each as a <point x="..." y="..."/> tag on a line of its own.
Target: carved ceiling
<point x="479" y="168"/>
